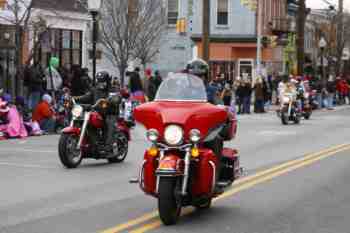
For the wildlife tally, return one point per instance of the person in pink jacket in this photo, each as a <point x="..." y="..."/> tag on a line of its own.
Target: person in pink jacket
<point x="13" y="126"/>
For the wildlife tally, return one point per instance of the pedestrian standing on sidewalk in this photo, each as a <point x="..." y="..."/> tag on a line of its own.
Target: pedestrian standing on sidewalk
<point x="331" y="89"/>
<point x="247" y="94"/>
<point x="53" y="78"/>
<point x="35" y="85"/>
<point x="259" y="96"/>
<point x="239" y="95"/>
<point x="226" y="95"/>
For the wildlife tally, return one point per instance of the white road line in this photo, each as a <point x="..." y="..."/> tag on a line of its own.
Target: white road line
<point x="27" y="150"/>
<point x="25" y="165"/>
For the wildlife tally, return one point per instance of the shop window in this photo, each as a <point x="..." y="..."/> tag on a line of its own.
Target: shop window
<point x="65" y="44"/>
<point x="173" y="11"/>
<point x="222" y="12"/>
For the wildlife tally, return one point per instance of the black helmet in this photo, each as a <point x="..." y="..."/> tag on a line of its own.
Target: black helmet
<point x="103" y="80"/>
<point x="198" y="67"/>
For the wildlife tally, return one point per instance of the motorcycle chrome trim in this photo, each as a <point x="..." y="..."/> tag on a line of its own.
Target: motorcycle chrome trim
<point x="186" y="172"/>
<point x="86" y="121"/>
<point x="289" y="108"/>
<point x="212" y="164"/>
<point x="157" y="184"/>
<point x="141" y="175"/>
<point x="163" y="147"/>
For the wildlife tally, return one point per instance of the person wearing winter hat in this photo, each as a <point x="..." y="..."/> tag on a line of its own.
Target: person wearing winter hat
<point x="13" y="126"/>
<point x="45" y="115"/>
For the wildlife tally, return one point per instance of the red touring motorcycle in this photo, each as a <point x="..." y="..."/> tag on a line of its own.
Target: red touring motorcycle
<point x="84" y="138"/>
<point x="180" y="168"/>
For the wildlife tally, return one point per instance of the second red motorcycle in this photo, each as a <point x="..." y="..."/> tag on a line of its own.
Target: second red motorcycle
<point x="186" y="163"/>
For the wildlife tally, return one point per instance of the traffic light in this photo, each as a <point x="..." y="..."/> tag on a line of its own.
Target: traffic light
<point x="181" y="26"/>
<point x="252" y="5"/>
<point x="273" y="41"/>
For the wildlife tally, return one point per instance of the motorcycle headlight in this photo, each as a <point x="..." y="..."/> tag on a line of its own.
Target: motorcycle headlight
<point x="195" y="135"/>
<point x="173" y="134"/>
<point x="152" y="135"/>
<point x="77" y="111"/>
<point x="286" y="99"/>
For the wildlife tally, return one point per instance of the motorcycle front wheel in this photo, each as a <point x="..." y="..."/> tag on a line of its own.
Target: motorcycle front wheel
<point x="120" y="148"/>
<point x="69" y="155"/>
<point x="307" y="116"/>
<point x="168" y="206"/>
<point x="284" y="118"/>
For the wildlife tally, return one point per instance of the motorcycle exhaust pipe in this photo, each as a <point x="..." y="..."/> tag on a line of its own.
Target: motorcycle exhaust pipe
<point x="86" y="121"/>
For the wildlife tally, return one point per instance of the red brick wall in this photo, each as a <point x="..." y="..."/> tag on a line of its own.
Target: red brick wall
<point x="2" y="3"/>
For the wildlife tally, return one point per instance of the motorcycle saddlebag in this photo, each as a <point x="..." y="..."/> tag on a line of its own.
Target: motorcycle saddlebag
<point x="203" y="179"/>
<point x="230" y="169"/>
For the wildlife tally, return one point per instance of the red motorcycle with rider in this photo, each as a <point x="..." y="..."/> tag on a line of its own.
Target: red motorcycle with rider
<point x="186" y="163"/>
<point x="96" y="130"/>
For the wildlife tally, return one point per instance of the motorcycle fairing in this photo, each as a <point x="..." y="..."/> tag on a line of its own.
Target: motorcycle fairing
<point x="190" y="115"/>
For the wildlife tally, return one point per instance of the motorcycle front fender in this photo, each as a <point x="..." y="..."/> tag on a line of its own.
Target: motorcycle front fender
<point x="121" y="125"/>
<point x="72" y="130"/>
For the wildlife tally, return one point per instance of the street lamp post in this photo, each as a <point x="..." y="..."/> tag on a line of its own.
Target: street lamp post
<point x="94" y="7"/>
<point x="322" y="44"/>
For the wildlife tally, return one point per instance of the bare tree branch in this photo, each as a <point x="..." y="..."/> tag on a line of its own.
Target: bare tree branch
<point x="131" y="29"/>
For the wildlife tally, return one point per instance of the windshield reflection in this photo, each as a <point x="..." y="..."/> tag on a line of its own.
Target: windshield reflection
<point x="182" y="87"/>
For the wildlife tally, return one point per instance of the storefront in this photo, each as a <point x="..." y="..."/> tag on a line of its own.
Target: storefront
<point x="237" y="58"/>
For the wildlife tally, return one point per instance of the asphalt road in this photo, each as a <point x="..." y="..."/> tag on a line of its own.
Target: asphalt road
<point x="38" y="195"/>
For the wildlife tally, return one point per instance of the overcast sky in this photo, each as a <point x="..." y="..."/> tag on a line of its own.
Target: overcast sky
<point x="319" y="4"/>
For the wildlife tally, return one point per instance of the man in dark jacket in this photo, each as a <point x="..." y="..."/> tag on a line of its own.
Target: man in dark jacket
<point x="154" y="84"/>
<point x="35" y="81"/>
<point x="135" y="83"/>
<point x="101" y="91"/>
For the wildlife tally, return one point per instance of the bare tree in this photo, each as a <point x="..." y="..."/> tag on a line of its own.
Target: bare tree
<point x="153" y="26"/>
<point x="19" y="14"/>
<point x="129" y="30"/>
<point x="343" y="38"/>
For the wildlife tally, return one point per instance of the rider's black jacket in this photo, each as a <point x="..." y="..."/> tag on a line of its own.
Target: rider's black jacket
<point x="95" y="94"/>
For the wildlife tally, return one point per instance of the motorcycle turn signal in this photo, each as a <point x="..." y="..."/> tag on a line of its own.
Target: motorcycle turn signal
<point x="195" y="152"/>
<point x="153" y="151"/>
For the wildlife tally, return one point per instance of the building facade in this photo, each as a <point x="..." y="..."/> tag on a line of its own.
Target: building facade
<point x="67" y="34"/>
<point x="233" y="36"/>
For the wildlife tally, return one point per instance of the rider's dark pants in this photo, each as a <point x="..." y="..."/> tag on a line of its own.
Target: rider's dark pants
<point x="109" y="129"/>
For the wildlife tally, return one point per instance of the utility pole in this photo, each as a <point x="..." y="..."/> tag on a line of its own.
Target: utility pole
<point x="300" y="36"/>
<point x="340" y="33"/>
<point x="259" y="35"/>
<point x="206" y="31"/>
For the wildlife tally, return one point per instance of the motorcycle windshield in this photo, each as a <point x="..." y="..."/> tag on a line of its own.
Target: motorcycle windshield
<point x="182" y="87"/>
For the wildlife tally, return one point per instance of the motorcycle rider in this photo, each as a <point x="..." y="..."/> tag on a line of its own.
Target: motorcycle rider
<point x="200" y="69"/>
<point x="101" y="91"/>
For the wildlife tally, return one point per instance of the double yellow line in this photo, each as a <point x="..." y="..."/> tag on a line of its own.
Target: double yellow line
<point x="239" y="185"/>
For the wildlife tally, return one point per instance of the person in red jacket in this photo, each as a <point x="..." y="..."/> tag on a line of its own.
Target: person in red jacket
<point x="45" y="115"/>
